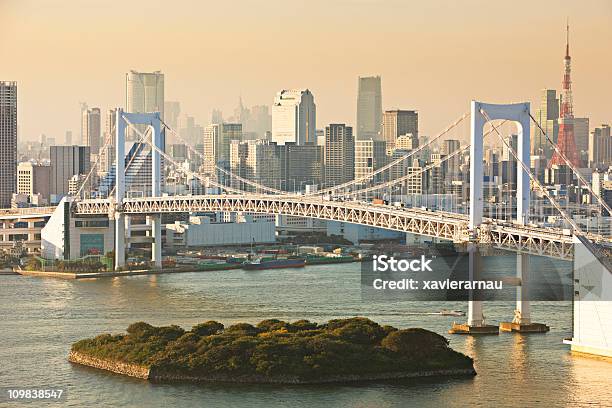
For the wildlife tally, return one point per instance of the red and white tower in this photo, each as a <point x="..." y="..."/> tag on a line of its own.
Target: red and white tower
<point x="565" y="141"/>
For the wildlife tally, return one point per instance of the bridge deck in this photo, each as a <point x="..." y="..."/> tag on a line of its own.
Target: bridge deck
<point x="438" y="224"/>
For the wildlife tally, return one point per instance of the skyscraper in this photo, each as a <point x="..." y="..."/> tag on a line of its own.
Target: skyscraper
<point x="397" y="123"/>
<point x="217" y="141"/>
<point x="67" y="161"/>
<point x="369" y="107"/>
<point x="144" y="92"/>
<point x="90" y="123"/>
<point x="566" y="141"/>
<point x="370" y="155"/>
<point x="172" y="111"/>
<point x="339" y="158"/>
<point x="8" y="142"/>
<point x="294" y="117"/>
<point x="547" y="116"/>
<point x="68" y="138"/>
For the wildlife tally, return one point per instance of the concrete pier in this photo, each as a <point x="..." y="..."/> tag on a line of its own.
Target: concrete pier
<point x="521" y="322"/>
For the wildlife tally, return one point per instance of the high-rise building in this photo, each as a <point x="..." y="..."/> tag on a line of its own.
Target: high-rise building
<point x="339" y="159"/>
<point x="8" y="142"/>
<point x="144" y="92"/>
<point x="566" y="141"/>
<point x="370" y="155"/>
<point x="217" y="140"/>
<point x="67" y="161"/>
<point x="172" y="111"/>
<point x="256" y="160"/>
<point x="68" y="138"/>
<point x="369" y="108"/>
<point x="600" y="147"/>
<point x="547" y="116"/>
<point x="294" y="117"/>
<point x="301" y="165"/>
<point x="33" y="179"/>
<point x="581" y="134"/>
<point x="90" y="129"/>
<point x="397" y="123"/>
<point x="450" y="147"/>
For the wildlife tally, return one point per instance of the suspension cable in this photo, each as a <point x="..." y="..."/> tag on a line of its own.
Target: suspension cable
<point x="572" y="167"/>
<point x="393" y="163"/>
<point x="421" y="171"/>
<point x="577" y="230"/>
<point x="172" y="161"/>
<point x="217" y="167"/>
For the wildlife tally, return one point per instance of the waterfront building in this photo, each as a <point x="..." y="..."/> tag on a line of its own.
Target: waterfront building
<point x="8" y="141"/>
<point x="369" y="108"/>
<point x="397" y="123"/>
<point x="294" y="117"/>
<point x="244" y="229"/>
<point x="339" y="161"/>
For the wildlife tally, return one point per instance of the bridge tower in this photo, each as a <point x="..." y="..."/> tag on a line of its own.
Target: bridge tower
<point x="481" y="113"/>
<point x="153" y="121"/>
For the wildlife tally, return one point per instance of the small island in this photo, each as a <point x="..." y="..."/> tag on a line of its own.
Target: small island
<point x="274" y="351"/>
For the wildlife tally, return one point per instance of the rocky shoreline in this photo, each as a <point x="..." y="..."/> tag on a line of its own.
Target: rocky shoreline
<point x="157" y="375"/>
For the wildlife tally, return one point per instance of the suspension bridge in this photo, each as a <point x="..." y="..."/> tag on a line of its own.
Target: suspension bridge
<point x="349" y="202"/>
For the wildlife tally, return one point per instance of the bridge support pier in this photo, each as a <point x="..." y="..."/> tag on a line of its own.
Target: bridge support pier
<point x="475" y="318"/>
<point x="156" y="246"/>
<point x="119" y="240"/>
<point x="522" y="315"/>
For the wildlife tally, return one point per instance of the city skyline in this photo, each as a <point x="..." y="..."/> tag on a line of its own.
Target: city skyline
<point x="438" y="77"/>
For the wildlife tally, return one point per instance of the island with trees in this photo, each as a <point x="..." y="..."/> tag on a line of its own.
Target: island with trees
<point x="273" y="351"/>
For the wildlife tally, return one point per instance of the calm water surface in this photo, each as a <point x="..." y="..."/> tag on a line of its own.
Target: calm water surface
<point x="40" y="318"/>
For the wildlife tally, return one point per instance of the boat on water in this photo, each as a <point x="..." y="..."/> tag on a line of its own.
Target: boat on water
<point x="260" y="263"/>
<point x="451" y="313"/>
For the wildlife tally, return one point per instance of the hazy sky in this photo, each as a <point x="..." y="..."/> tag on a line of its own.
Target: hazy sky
<point x="434" y="56"/>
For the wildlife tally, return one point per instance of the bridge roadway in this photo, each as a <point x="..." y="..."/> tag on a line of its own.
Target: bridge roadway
<point x="444" y="225"/>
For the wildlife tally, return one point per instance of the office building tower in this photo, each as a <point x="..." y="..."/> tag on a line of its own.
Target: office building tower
<point x="581" y="134"/>
<point x="144" y="92"/>
<point x="600" y="147"/>
<point x="370" y="155"/>
<point x="369" y="108"/>
<point x="90" y="129"/>
<point x="294" y="117"/>
<point x="339" y="159"/>
<point x="216" y="117"/>
<point x="67" y="161"/>
<point x="451" y="146"/>
<point x="33" y="179"/>
<point x="217" y="140"/>
<point x="256" y="160"/>
<point x="68" y="138"/>
<point x="172" y="111"/>
<point x="8" y="142"/>
<point x="397" y="123"/>
<point x="301" y="166"/>
<point x="109" y="126"/>
<point x="546" y="116"/>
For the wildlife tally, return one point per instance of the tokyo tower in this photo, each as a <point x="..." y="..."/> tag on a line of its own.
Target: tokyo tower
<point x="565" y="141"/>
